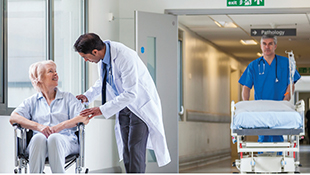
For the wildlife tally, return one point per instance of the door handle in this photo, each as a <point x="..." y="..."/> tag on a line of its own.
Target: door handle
<point x="181" y="113"/>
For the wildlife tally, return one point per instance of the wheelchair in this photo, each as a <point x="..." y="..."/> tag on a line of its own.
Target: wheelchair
<point x="23" y="137"/>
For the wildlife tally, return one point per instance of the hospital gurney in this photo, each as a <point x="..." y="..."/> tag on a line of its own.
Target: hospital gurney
<point x="266" y="117"/>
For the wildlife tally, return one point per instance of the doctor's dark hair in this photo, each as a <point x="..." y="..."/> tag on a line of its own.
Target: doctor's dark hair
<point x="275" y="40"/>
<point x="86" y="43"/>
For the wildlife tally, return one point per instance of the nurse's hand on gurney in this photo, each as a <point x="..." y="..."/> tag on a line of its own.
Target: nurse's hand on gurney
<point x="82" y="97"/>
<point x="91" y="112"/>
<point x="287" y="95"/>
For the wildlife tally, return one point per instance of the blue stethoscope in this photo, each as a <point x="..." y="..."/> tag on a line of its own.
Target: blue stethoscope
<point x="264" y="65"/>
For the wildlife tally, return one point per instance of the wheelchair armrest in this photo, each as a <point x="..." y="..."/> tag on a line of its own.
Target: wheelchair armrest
<point x="80" y="126"/>
<point x="17" y="126"/>
<point x="20" y="141"/>
<point x="81" y="133"/>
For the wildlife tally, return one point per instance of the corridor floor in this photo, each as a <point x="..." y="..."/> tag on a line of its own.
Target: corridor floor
<point x="225" y="165"/>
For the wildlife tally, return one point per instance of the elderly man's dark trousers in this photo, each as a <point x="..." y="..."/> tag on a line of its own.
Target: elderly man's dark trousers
<point x="134" y="134"/>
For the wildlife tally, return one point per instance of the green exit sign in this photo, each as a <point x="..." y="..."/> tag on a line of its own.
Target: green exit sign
<point x="304" y="70"/>
<point x="238" y="3"/>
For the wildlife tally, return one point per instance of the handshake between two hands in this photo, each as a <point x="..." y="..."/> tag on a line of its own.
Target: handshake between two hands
<point x="91" y="112"/>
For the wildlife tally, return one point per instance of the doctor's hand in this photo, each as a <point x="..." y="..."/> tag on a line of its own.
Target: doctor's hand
<point x="81" y="97"/>
<point x="91" y="112"/>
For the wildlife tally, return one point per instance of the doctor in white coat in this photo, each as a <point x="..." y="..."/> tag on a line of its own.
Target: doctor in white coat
<point x="130" y="93"/>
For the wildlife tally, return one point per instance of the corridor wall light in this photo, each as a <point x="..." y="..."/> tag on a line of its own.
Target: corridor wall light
<point x="259" y="54"/>
<point x="248" y="42"/>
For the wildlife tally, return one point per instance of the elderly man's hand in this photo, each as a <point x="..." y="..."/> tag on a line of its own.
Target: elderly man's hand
<point x="92" y="112"/>
<point x="83" y="119"/>
<point x="46" y="130"/>
<point x="57" y="128"/>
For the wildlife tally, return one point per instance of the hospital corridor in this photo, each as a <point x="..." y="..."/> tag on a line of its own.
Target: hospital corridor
<point x="225" y="166"/>
<point x="166" y="86"/>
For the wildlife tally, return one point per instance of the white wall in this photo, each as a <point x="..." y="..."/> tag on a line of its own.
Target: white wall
<point x="206" y="90"/>
<point x="101" y="150"/>
<point x="7" y="160"/>
<point x="303" y="84"/>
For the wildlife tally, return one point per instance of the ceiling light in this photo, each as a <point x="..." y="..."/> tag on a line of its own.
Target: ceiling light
<point x="248" y="42"/>
<point x="259" y="54"/>
<point x="224" y="24"/>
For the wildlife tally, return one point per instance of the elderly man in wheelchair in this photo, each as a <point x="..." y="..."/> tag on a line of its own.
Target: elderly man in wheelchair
<point x="53" y="116"/>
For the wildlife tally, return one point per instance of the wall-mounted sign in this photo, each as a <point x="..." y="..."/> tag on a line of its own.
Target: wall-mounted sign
<point x="304" y="70"/>
<point x="276" y="32"/>
<point x="244" y="3"/>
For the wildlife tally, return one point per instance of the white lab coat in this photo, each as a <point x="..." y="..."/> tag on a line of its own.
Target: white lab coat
<point x="137" y="91"/>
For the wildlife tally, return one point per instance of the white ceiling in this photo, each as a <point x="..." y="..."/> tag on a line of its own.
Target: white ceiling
<point x="228" y="39"/>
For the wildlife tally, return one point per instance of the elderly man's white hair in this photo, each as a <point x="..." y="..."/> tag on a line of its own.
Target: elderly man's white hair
<point x="36" y="71"/>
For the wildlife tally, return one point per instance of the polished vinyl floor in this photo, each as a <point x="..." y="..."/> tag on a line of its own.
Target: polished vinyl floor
<point x="224" y="166"/>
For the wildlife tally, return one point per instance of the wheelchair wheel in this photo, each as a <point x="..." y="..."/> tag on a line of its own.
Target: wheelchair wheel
<point x="15" y="171"/>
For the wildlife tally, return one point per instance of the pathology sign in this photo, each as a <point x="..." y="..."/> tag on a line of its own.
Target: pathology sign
<point x="238" y="3"/>
<point x="276" y="32"/>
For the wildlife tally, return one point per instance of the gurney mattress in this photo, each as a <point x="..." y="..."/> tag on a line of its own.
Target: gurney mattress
<point x="272" y="120"/>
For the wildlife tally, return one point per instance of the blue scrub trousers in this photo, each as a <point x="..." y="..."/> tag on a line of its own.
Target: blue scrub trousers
<point x="264" y="138"/>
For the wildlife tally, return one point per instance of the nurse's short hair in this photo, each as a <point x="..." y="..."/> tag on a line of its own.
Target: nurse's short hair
<point x="86" y="43"/>
<point x="36" y="71"/>
<point x="275" y="40"/>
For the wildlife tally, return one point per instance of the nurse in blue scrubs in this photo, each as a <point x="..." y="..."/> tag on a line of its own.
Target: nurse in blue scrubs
<point x="270" y="77"/>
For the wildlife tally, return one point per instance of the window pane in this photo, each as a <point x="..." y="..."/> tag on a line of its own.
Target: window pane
<point x="151" y="66"/>
<point x="26" y="45"/>
<point x="68" y="27"/>
<point x="151" y="57"/>
<point x="1" y="57"/>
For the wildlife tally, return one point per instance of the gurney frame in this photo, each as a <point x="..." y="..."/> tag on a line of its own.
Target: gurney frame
<point x="268" y="161"/>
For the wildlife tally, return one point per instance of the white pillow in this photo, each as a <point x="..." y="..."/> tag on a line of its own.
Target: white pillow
<point x="263" y="106"/>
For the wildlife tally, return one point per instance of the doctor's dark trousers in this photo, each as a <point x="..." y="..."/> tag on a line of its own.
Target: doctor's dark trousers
<point x="134" y="135"/>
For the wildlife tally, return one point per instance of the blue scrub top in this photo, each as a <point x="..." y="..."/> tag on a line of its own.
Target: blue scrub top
<point x="262" y="76"/>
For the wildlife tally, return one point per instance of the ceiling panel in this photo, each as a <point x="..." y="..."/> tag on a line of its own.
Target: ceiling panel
<point x="228" y="39"/>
